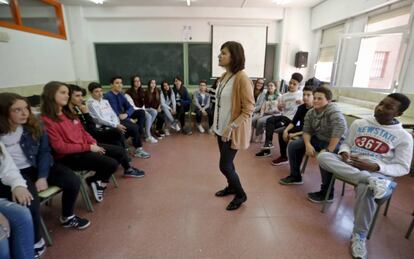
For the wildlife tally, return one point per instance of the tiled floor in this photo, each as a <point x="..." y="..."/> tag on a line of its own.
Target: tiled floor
<point x="173" y="213"/>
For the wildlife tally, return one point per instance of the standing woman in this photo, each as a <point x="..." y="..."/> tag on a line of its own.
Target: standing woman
<point x="232" y="117"/>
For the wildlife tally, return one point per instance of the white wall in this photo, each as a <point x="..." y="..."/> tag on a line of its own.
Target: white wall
<point x="296" y="36"/>
<point x="30" y="59"/>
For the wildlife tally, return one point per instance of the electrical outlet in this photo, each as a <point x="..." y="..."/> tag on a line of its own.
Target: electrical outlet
<point x="4" y="37"/>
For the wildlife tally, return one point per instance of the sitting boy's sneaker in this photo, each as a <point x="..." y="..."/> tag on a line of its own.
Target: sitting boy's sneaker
<point x="39" y="248"/>
<point x="158" y="135"/>
<point x="263" y="153"/>
<point x="200" y="128"/>
<point x="141" y="153"/>
<point x="291" y="180"/>
<point x="175" y="126"/>
<point x="134" y="173"/>
<point x="358" y="247"/>
<point x="151" y="140"/>
<point x="268" y="145"/>
<point x="98" y="190"/>
<point x="74" y="222"/>
<point x="280" y="161"/>
<point x="381" y="187"/>
<point x="319" y="197"/>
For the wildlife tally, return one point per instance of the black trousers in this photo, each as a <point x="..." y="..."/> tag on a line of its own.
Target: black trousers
<point x="160" y="121"/>
<point x="273" y="123"/>
<point x="199" y="115"/>
<point x="139" y="115"/>
<point x="211" y="115"/>
<point x="109" y="135"/>
<point x="283" y="144"/>
<point x="132" y="130"/>
<point x="181" y="110"/>
<point x="104" y="165"/>
<point x="227" y="155"/>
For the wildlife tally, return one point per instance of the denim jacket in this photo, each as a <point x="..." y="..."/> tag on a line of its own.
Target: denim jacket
<point x="37" y="152"/>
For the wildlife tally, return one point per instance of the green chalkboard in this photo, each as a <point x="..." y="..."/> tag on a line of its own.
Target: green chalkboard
<point x="159" y="61"/>
<point x="199" y="63"/>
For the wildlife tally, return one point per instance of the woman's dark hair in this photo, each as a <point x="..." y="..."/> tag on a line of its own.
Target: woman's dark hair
<point x="135" y="93"/>
<point x="215" y="83"/>
<point x="48" y="107"/>
<point x="181" y="90"/>
<point x="236" y="54"/>
<point x="94" y="85"/>
<point x="402" y="99"/>
<point x="6" y="102"/>
<point x="150" y="95"/>
<point x="324" y="90"/>
<point x="165" y="92"/>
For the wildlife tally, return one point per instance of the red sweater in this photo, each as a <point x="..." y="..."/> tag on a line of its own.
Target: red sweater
<point x="67" y="137"/>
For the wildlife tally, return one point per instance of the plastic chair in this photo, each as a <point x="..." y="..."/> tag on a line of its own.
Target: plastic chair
<point x="45" y="197"/>
<point x="410" y="228"/>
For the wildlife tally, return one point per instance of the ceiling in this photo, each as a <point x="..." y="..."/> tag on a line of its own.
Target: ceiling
<point x="197" y="3"/>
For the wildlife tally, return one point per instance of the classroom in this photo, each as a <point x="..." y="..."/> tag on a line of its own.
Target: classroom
<point x="254" y="129"/>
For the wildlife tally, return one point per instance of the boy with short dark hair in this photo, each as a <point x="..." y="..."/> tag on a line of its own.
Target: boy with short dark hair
<point x="374" y="150"/>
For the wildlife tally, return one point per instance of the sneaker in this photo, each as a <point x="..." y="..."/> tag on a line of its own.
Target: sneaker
<point x="280" y="161"/>
<point x="263" y="153"/>
<point x="158" y="135"/>
<point x="39" y="248"/>
<point x="268" y="146"/>
<point x="98" y="190"/>
<point x="381" y="187"/>
<point x="358" y="247"/>
<point x="134" y="173"/>
<point x="162" y="133"/>
<point x="200" y="128"/>
<point x="291" y="180"/>
<point x="141" y="153"/>
<point x="175" y="126"/>
<point x="187" y="131"/>
<point x="151" y="140"/>
<point x="167" y="132"/>
<point x="319" y="197"/>
<point x="74" y="222"/>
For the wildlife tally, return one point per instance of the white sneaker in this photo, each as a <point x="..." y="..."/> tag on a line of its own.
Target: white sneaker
<point x="200" y="128"/>
<point x="167" y="132"/>
<point x="381" y="187"/>
<point x="358" y="247"/>
<point x="175" y="126"/>
<point x="151" y="140"/>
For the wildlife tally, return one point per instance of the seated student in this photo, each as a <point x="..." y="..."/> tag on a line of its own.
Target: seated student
<point x="374" y="150"/>
<point x="323" y="129"/>
<point x="152" y="100"/>
<point x="72" y="144"/>
<point x="202" y="104"/>
<point x="212" y="93"/>
<point x="135" y="96"/>
<point x="293" y="129"/>
<point x="169" y="106"/>
<point x="28" y="145"/>
<point x="259" y="92"/>
<point x="103" y="138"/>
<point x="288" y="104"/>
<point x="183" y="102"/>
<point x="15" y="220"/>
<point x="267" y="110"/>
<point x="126" y="114"/>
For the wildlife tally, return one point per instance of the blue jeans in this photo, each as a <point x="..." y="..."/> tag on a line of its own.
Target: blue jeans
<point x="22" y="236"/>
<point x="296" y="151"/>
<point x="150" y="115"/>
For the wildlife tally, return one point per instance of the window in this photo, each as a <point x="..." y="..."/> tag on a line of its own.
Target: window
<point x="327" y="50"/>
<point x="373" y="58"/>
<point x="43" y="17"/>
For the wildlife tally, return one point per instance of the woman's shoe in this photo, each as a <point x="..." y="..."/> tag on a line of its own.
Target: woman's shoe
<point x="226" y="191"/>
<point x="236" y="202"/>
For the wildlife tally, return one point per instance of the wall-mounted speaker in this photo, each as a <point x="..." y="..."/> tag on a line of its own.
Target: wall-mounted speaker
<point x="301" y="59"/>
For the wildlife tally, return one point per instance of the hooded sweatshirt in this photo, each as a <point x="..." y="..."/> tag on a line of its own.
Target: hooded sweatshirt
<point x="389" y="146"/>
<point x="327" y="124"/>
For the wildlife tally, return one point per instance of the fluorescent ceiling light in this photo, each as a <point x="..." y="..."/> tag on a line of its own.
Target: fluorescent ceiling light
<point x="4" y="2"/>
<point x="188" y="2"/>
<point x="280" y="2"/>
<point x="98" y="1"/>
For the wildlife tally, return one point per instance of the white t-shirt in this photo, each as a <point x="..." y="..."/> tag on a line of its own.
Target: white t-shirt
<point x="222" y="110"/>
<point x="12" y="143"/>
<point x="289" y="99"/>
<point x="203" y="99"/>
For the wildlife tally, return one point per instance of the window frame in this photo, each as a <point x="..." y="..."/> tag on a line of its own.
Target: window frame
<point x="18" y="23"/>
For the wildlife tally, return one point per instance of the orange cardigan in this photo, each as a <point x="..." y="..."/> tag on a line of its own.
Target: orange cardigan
<point x="242" y="107"/>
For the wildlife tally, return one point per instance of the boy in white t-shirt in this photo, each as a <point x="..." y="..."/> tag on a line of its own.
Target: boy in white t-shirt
<point x="375" y="149"/>
<point x="288" y="104"/>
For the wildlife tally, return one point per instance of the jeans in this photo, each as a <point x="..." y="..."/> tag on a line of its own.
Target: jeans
<point x="150" y="116"/>
<point x="21" y="236"/>
<point x="227" y="155"/>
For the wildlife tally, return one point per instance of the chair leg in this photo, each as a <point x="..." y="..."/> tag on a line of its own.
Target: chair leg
<point x="48" y="238"/>
<point x="387" y="206"/>
<point x="410" y="229"/>
<point x="85" y="195"/>
<point x="328" y="192"/>
<point x="343" y="189"/>
<point x="114" y="181"/>
<point x="305" y="163"/>
<point x="374" y="221"/>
